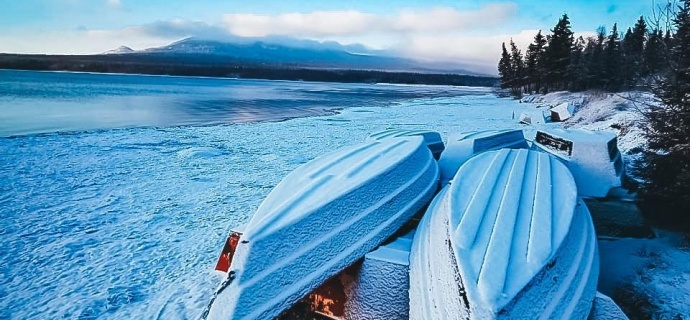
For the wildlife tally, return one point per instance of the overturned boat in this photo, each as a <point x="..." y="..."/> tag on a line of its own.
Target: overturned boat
<point x="321" y="218"/>
<point x="432" y="138"/>
<point x="507" y="238"/>
<point x="462" y="147"/>
<point x="592" y="157"/>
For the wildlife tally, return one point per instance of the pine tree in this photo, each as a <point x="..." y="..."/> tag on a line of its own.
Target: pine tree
<point x="634" y="52"/>
<point x="612" y="59"/>
<point x="558" y="54"/>
<point x="517" y="70"/>
<point x="505" y="68"/>
<point x="596" y="72"/>
<point x="578" y="68"/>
<point x="639" y="33"/>
<point x="666" y="165"/>
<point x="629" y="64"/>
<point x="534" y="62"/>
<point x="654" y="55"/>
<point x="668" y="40"/>
<point x="588" y="62"/>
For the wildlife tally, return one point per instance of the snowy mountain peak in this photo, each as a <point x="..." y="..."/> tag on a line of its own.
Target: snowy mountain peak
<point x="119" y="50"/>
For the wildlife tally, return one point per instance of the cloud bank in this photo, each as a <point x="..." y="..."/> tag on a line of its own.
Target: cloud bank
<point x="356" y="23"/>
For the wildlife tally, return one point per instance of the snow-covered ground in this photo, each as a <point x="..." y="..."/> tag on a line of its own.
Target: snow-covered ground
<point x="617" y="112"/>
<point x="649" y="278"/>
<point x="128" y="223"/>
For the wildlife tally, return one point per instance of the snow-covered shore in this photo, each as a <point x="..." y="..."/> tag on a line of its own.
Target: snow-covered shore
<point x="127" y="223"/>
<point x="649" y="278"/>
<point x="595" y="110"/>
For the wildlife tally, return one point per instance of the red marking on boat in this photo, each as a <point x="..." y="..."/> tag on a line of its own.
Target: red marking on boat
<point x="225" y="259"/>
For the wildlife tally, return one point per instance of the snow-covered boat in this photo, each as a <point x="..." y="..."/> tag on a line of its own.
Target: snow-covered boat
<point x="592" y="157"/>
<point x="321" y="218"/>
<point x="432" y="138"/>
<point x="462" y="147"/>
<point x="562" y="112"/>
<point x="507" y="238"/>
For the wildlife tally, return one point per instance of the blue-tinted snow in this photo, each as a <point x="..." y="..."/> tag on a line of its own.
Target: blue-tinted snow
<point x="128" y="223"/>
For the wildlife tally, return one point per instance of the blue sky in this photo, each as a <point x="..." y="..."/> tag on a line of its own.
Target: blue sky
<point x="467" y="30"/>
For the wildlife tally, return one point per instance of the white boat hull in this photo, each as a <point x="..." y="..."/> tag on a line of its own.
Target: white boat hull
<point x="592" y="157"/>
<point x="462" y="147"/>
<point x="508" y="239"/>
<point x="432" y="138"/>
<point x="320" y="219"/>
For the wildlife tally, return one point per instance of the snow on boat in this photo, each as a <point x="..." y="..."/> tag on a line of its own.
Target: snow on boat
<point x="507" y="238"/>
<point x="321" y="218"/>
<point x="592" y="157"/>
<point x="463" y="147"/>
<point x="525" y="118"/>
<point x="533" y="117"/>
<point x="562" y="112"/>
<point x="380" y="288"/>
<point x="432" y="138"/>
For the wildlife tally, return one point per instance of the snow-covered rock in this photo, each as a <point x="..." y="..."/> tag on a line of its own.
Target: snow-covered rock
<point x="380" y="290"/>
<point x="432" y="138"/>
<point x="592" y="157"/>
<point x="508" y="238"/>
<point x="461" y="147"/>
<point x="320" y="219"/>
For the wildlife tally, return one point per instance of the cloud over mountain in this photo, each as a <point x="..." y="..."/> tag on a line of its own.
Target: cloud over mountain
<point x="354" y="23"/>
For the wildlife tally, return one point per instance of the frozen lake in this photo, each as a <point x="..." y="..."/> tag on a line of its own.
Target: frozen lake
<point x="40" y="102"/>
<point x="127" y="223"/>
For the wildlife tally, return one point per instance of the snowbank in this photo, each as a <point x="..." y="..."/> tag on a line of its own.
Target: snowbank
<point x="617" y="112"/>
<point x="648" y="277"/>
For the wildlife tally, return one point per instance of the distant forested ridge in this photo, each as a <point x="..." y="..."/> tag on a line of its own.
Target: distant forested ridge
<point x="215" y="66"/>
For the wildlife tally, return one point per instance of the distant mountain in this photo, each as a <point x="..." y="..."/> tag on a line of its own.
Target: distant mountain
<point x="120" y="50"/>
<point x="290" y="52"/>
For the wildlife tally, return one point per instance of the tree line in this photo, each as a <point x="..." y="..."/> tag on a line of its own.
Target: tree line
<point x="214" y="66"/>
<point x="611" y="61"/>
